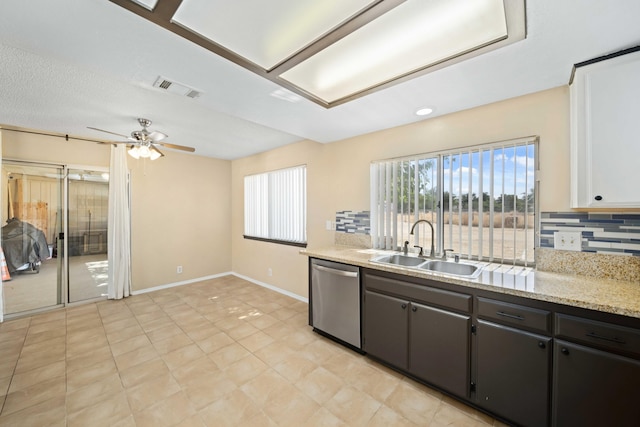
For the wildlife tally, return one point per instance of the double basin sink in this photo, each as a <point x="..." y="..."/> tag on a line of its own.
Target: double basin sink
<point x="468" y="271"/>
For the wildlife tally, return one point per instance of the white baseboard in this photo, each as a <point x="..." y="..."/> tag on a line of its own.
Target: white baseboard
<point x="215" y="276"/>
<point x="184" y="282"/>
<point x="273" y="288"/>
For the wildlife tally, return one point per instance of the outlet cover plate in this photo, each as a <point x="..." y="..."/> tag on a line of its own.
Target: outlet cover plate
<point x="567" y="240"/>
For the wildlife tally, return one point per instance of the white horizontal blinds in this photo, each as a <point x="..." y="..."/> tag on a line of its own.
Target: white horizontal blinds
<point x="275" y="205"/>
<point x="486" y="197"/>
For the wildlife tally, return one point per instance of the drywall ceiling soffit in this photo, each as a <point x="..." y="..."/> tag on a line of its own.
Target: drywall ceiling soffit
<point x="335" y="51"/>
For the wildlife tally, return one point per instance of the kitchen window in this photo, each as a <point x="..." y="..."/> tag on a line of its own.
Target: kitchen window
<point x="480" y="201"/>
<point x="275" y="206"/>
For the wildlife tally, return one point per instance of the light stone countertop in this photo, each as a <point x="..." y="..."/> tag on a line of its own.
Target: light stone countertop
<point x="607" y="295"/>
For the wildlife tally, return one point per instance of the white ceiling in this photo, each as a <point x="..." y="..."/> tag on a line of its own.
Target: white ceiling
<point x="69" y="64"/>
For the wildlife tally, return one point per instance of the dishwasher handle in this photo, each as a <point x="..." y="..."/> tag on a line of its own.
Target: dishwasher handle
<point x="336" y="272"/>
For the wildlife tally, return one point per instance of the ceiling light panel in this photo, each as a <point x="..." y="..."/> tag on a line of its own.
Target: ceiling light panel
<point x="149" y="4"/>
<point x="410" y="37"/>
<point x="266" y="32"/>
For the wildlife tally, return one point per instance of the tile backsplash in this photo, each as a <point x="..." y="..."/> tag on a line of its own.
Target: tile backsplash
<point x="602" y="233"/>
<point x="353" y="228"/>
<point x="358" y="222"/>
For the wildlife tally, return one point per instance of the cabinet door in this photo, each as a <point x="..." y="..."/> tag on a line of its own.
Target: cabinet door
<point x="594" y="388"/>
<point x="439" y="348"/>
<point x="605" y="100"/>
<point x="386" y="328"/>
<point x="513" y="373"/>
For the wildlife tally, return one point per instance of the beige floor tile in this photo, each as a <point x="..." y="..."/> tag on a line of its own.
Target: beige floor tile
<point x="105" y="413"/>
<point x="138" y="374"/>
<point x="49" y="413"/>
<point x="148" y="393"/>
<point x="34" y="394"/>
<point x="85" y="360"/>
<point x="193" y="370"/>
<point x="242" y="331"/>
<point x="295" y="367"/>
<point x="214" y="353"/>
<point x="386" y="417"/>
<point x="275" y="353"/>
<point x="413" y="403"/>
<point x="323" y="418"/>
<point x="182" y="356"/>
<point x="228" y="355"/>
<point x="136" y="357"/>
<point x="320" y="385"/>
<point x="256" y="341"/>
<point x="208" y="388"/>
<point x="265" y="387"/>
<point x="34" y="338"/>
<point x="168" y="412"/>
<point x="93" y="393"/>
<point x="41" y="354"/>
<point x="130" y="344"/>
<point x="87" y="375"/>
<point x="215" y="342"/>
<point x="245" y="369"/>
<point x="172" y="343"/>
<point x="290" y="407"/>
<point x="353" y="406"/>
<point x="38" y="375"/>
<point x="164" y="333"/>
<point x="234" y="409"/>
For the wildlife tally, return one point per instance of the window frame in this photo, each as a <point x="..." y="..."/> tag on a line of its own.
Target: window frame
<point x="270" y="206"/>
<point x="387" y="232"/>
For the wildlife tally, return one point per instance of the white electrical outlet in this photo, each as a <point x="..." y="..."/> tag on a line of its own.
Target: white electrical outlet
<point x="328" y="224"/>
<point x="567" y="240"/>
<point x="179" y="269"/>
<point x="269" y="272"/>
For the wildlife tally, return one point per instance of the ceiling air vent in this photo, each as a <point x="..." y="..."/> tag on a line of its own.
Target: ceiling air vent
<point x="177" y="88"/>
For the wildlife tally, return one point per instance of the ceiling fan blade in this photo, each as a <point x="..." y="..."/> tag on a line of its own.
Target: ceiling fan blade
<point x="156" y="136"/>
<point x="152" y="147"/>
<point x="106" y="131"/>
<point x="115" y="142"/>
<point x="177" y="147"/>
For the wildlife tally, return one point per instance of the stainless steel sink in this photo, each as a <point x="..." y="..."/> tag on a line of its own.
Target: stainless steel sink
<point x="455" y="268"/>
<point x="401" y="260"/>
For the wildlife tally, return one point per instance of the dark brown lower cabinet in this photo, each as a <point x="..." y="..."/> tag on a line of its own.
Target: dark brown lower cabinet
<point x="594" y="387"/>
<point x="439" y="343"/>
<point x="386" y="328"/>
<point x="513" y="372"/>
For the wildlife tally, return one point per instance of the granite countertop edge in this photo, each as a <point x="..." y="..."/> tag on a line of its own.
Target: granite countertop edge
<point x="605" y="295"/>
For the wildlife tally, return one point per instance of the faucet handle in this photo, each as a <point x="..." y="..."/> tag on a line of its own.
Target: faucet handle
<point x="444" y="253"/>
<point x="421" y="253"/>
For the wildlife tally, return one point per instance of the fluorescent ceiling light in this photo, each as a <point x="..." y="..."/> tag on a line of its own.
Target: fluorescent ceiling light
<point x="265" y="32"/>
<point x="410" y="37"/>
<point x="149" y="4"/>
<point x="334" y="51"/>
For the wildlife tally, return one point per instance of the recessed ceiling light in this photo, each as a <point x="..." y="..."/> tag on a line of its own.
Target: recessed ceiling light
<point x="424" y="111"/>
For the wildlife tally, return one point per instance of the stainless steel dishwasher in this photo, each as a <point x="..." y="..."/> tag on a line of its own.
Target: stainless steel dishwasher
<point x="335" y="300"/>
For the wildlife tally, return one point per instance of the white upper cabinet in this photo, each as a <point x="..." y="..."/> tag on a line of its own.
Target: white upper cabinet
<point x="605" y="133"/>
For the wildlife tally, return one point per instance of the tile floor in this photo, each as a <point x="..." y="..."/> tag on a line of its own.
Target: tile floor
<point x="221" y="352"/>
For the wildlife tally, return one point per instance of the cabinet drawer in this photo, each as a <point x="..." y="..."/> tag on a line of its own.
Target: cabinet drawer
<point x="600" y="334"/>
<point x="514" y="314"/>
<point x="420" y="293"/>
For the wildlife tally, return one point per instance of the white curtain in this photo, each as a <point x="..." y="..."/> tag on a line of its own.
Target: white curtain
<point x="119" y="228"/>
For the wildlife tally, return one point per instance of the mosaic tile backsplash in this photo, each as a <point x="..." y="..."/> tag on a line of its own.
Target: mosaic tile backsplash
<point x="603" y="233"/>
<point x="358" y="222"/>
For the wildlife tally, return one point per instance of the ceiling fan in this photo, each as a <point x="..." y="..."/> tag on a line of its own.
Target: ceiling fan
<point x="143" y="142"/>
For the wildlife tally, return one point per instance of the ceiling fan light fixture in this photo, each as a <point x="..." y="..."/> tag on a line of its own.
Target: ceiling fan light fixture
<point x="134" y="152"/>
<point x="155" y="154"/>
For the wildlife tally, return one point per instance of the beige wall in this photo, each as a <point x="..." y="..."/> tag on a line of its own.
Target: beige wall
<point x="180" y="206"/>
<point x="338" y="173"/>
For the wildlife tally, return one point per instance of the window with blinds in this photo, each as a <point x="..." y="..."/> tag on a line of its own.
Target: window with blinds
<point x="275" y="206"/>
<point x="480" y="201"/>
